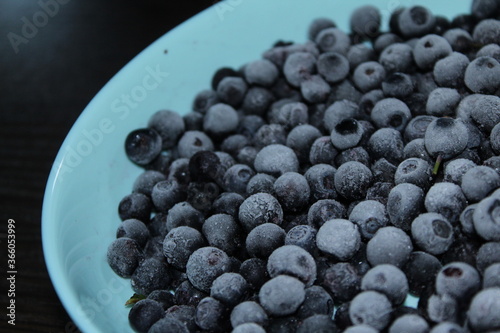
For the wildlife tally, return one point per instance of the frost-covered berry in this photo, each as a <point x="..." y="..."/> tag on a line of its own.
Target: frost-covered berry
<point x="484" y="309"/>
<point x="294" y="261"/>
<point x="169" y="125"/>
<point x="276" y="159"/>
<point x="205" y="265"/>
<point x="352" y="180"/>
<point x="371" y="308"/>
<point x="276" y="298"/>
<point x="388" y="280"/>
<point x="486" y="217"/>
<point x="482" y="75"/>
<point x="432" y="232"/>
<point x="339" y="237"/>
<point x="123" y="256"/>
<point x="459" y="280"/>
<point x="180" y="243"/>
<point x="390" y="245"/>
<point x="258" y="209"/>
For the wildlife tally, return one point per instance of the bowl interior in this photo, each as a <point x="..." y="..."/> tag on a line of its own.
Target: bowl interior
<point x="91" y="172"/>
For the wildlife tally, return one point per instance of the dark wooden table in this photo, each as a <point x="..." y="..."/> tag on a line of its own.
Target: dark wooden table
<point x="55" y="55"/>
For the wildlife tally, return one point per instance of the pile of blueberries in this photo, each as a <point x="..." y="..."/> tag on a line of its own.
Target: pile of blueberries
<point x="316" y="188"/>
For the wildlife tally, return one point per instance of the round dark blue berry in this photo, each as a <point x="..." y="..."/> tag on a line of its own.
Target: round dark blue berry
<point x="432" y="233"/>
<point x="143" y="145"/>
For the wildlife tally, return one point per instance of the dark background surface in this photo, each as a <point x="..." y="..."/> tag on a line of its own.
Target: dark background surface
<point x="44" y="86"/>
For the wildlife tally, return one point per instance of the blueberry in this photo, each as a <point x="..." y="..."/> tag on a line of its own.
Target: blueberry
<point x="229" y="288"/>
<point x="164" y="297"/>
<point x="386" y="143"/>
<point x="450" y="71"/>
<point x="204" y="100"/>
<point x="222" y="73"/>
<point x="187" y="294"/>
<point x="482" y="9"/>
<point x="495" y="138"/>
<point x="410" y="323"/>
<point x="256" y="102"/>
<point x="201" y="195"/>
<point x="294" y="261"/>
<point x="269" y="134"/>
<point x="416" y="21"/>
<point x="384" y="40"/>
<point x="220" y="119"/>
<point x="398" y="85"/>
<point x="491" y="276"/>
<point x="317" y="25"/>
<point x="442" y="308"/>
<point x="346" y="134"/>
<point x="317" y="323"/>
<point x="358" y="54"/>
<point x="211" y="315"/>
<point x="352" y="180"/>
<point x="487" y="32"/>
<point x="303" y="236"/>
<point x="486" y="112"/>
<point x="222" y="231"/>
<point x="133" y="229"/>
<point x="333" y="40"/>
<point x="342" y="281"/>
<point x="250" y="124"/>
<point x="205" y="265"/>
<point x="151" y="274"/>
<point x="180" y="243"/>
<point x="478" y="182"/>
<point x="298" y="67"/>
<point x="145" y="181"/>
<point x="365" y="21"/>
<point x="179" y="170"/>
<point x="491" y="50"/>
<point x="339" y="111"/>
<point x="447" y="327"/>
<point x="169" y="125"/>
<point x="486" y="217"/>
<point x="144" y="314"/>
<point x="459" y="280"/>
<point x="391" y="112"/>
<point x="442" y="102"/>
<point x="397" y="57"/>
<point x="261" y="72"/>
<point x="344" y="90"/>
<point x="339" y="238"/>
<point x="369" y="75"/>
<point x="300" y="140"/>
<point x="388" y="280"/>
<point x="446" y="137"/>
<point x="356" y="154"/>
<point x="415" y="129"/>
<point x="193" y="121"/>
<point x="421" y="270"/>
<point x="404" y="203"/>
<point x="432" y="233"/>
<point x="324" y="210"/>
<point x="236" y="178"/>
<point x="360" y="329"/>
<point x="123" y="256"/>
<point x="488" y="254"/>
<point x="429" y="49"/>
<point x="482" y="75"/>
<point x="192" y="142"/>
<point x="483" y="311"/>
<point x="276" y="159"/>
<point x="232" y="90"/>
<point x="315" y="89"/>
<point x="459" y="39"/>
<point x="371" y="308"/>
<point x="455" y="170"/>
<point x="320" y="178"/>
<point x="390" y="245"/>
<point x="379" y="192"/>
<point x="261" y="182"/>
<point x="317" y="302"/>
<point x="254" y="270"/>
<point x="135" y="206"/>
<point x="292" y="191"/>
<point x="166" y="194"/>
<point x="383" y="171"/>
<point x="232" y="144"/>
<point x="276" y="298"/>
<point x="368" y="101"/>
<point x="369" y="216"/>
<point x="258" y="209"/>
<point x="262" y="240"/>
<point x="248" y="328"/>
<point x="414" y="171"/>
<point x="143" y="145"/>
<point x="168" y="324"/>
<point x="466" y="221"/>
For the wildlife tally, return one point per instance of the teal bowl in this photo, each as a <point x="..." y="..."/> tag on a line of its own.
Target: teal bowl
<point x="92" y="173"/>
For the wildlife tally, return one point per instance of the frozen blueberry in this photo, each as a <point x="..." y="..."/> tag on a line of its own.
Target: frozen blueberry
<point x="317" y="25"/>
<point x="352" y="180"/>
<point x="123" y="256"/>
<point x="164" y="297"/>
<point x="383" y="171"/>
<point x="390" y="245"/>
<point x="237" y="177"/>
<point x="264" y="239"/>
<point x="183" y="214"/>
<point x="256" y="102"/>
<point x="482" y="9"/>
<point x="166" y="194"/>
<point x="446" y="137"/>
<point x="466" y="221"/>
<point x="491" y="50"/>
<point x="269" y="134"/>
<point x="292" y="191"/>
<point x="397" y="57"/>
<point x="261" y="182"/>
<point x="231" y="90"/>
<point x="384" y="40"/>
<point x="371" y="308"/>
<point x="180" y="243"/>
<point x="192" y="142"/>
<point x="478" y="182"/>
<point x="491" y="276"/>
<point x="317" y="323"/>
<point x="204" y="100"/>
<point x="317" y="302"/>
<point x="143" y="145"/>
<point x="483" y="311"/>
<point x="169" y="324"/>
<point x="486" y="112"/>
<point x="205" y="265"/>
<point x="229" y="288"/>
<point x="144" y="314"/>
<point x="360" y="329"/>
<point x="179" y="170"/>
<point x="487" y="31"/>
<point x="391" y="112"/>
<point x="186" y="294"/>
<point x="276" y="159"/>
<point x="322" y="151"/>
<point x="356" y="154"/>
<point x="169" y="125"/>
<point x="459" y="280"/>
<point x="254" y="270"/>
<point x="232" y="144"/>
<point x="456" y="169"/>
<point x="398" y="85"/>
<point x="211" y="315"/>
<point x="222" y="73"/>
<point x="300" y="140"/>
<point x="414" y="171"/>
<point x="339" y="111"/>
<point x="294" y="261"/>
<point x="482" y="75"/>
<point x="409" y="323"/>
<point x="369" y="216"/>
<point x="369" y="75"/>
<point x="315" y="89"/>
<point x="320" y="178"/>
<point x="442" y="102"/>
<point x="416" y="21"/>
<point x="421" y="270"/>
<point x="220" y="119"/>
<point x="333" y="40"/>
<point x="145" y="181"/>
<point x="261" y="72"/>
<point x="133" y="229"/>
<point x="292" y="114"/>
<point x="450" y="71"/>
<point x="193" y="121"/>
<point x="324" y="210"/>
<point x="135" y="206"/>
<point x="258" y="209"/>
<point x="303" y="236"/>
<point x="488" y="254"/>
<point x="346" y="134"/>
<point x="447" y="327"/>
<point x="358" y="54"/>
<point x="388" y="280"/>
<point x="442" y="308"/>
<point x="429" y="49"/>
<point x="365" y="21"/>
<point x="151" y="274"/>
<point x="276" y="298"/>
<point x="298" y="67"/>
<point x="248" y="328"/>
<point x="379" y="192"/>
<point x="342" y="281"/>
<point x="432" y="233"/>
<point x="486" y="217"/>
<point x="339" y="238"/>
<point x="386" y="143"/>
<point x="222" y="231"/>
<point x="446" y="199"/>
<point x="248" y="312"/>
